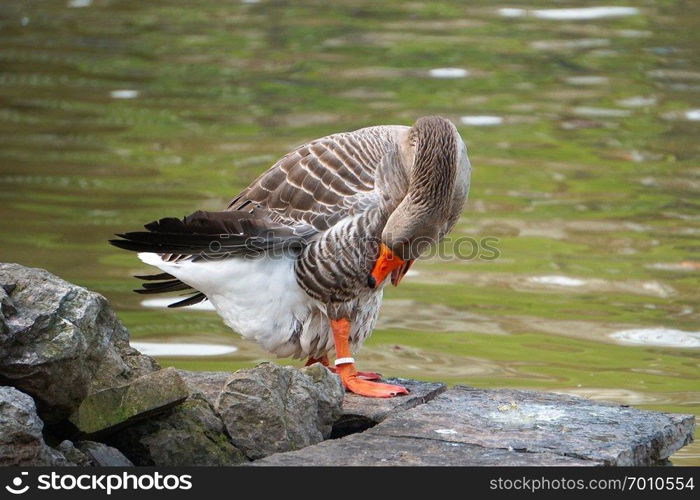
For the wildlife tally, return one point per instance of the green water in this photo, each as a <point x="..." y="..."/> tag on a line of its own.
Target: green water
<point x="121" y="112"/>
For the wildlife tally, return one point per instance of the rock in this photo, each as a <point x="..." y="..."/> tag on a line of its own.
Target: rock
<point x="121" y="365"/>
<point x="101" y="455"/>
<point x="93" y="454"/>
<point x="59" y="342"/>
<point x="21" y="439"/>
<point x="208" y="384"/>
<point x="370" y="449"/>
<point x="189" y="434"/>
<point x="330" y="394"/>
<point x="361" y="413"/>
<point x="74" y="455"/>
<point x="273" y="408"/>
<point x="539" y="422"/>
<point x="467" y="426"/>
<point x="7" y="310"/>
<point x="108" y="410"/>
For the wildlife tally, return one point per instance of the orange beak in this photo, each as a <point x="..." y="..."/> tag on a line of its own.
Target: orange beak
<point x="387" y="262"/>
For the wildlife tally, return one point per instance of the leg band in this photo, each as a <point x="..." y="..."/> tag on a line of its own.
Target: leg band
<point x="344" y="361"/>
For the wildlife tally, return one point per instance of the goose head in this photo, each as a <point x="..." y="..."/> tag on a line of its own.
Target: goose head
<point x="429" y="206"/>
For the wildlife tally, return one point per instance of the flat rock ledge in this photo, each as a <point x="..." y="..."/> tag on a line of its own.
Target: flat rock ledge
<point x="468" y="426"/>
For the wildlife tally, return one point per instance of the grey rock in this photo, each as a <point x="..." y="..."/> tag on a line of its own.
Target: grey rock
<point x="74" y="455"/>
<point x="361" y="413"/>
<point x="467" y="426"/>
<point x="273" y="408"/>
<point x="358" y="413"/>
<point x="59" y="341"/>
<point x="539" y="422"/>
<point x="21" y="439"/>
<point x="189" y="434"/>
<point x="371" y="449"/>
<point x="120" y="365"/>
<point x="93" y="454"/>
<point x="330" y="392"/>
<point x="101" y="455"/>
<point x="108" y="410"/>
<point x="7" y="310"/>
<point x="208" y="384"/>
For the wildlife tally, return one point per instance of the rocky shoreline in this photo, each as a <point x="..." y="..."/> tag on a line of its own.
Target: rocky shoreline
<point x="74" y="392"/>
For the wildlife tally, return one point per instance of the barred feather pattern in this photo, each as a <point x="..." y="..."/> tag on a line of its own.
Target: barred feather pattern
<point x="434" y="145"/>
<point x="324" y="181"/>
<point x="334" y="267"/>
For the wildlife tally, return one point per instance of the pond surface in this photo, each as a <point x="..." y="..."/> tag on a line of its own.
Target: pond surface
<point x="583" y="127"/>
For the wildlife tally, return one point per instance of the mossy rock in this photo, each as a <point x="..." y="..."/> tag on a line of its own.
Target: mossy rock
<point x="111" y="409"/>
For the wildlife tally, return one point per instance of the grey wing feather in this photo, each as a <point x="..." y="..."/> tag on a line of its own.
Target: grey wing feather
<point x="321" y="182"/>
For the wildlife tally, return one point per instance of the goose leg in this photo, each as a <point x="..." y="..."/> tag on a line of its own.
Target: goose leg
<point x="345" y="367"/>
<point x="324" y="361"/>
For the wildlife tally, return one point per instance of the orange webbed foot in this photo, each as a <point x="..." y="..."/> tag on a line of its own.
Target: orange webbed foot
<point x="370" y="389"/>
<point x="354" y="383"/>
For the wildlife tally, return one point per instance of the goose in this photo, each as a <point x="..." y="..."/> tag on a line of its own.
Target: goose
<point x="299" y="259"/>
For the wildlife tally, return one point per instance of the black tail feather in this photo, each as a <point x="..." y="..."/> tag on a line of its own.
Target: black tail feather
<point x="163" y="287"/>
<point x="152" y="277"/>
<point x="190" y="301"/>
<point x="170" y="284"/>
<point x="216" y="234"/>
